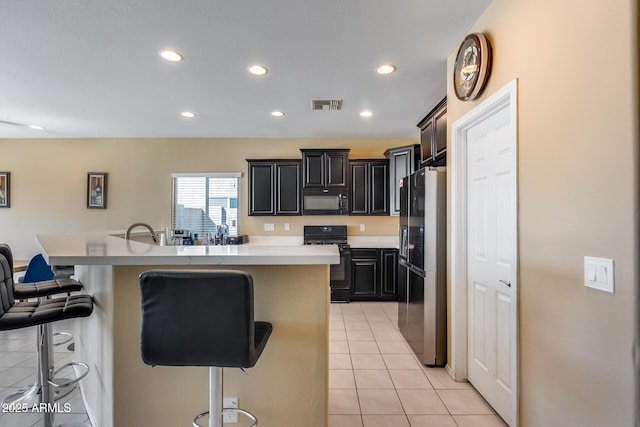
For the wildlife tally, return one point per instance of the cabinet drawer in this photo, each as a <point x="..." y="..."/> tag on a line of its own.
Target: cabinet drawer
<point x="364" y="254"/>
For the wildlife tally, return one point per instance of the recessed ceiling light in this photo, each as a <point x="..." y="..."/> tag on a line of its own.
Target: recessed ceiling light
<point x="386" y="69"/>
<point x="36" y="127"/>
<point x="171" y="55"/>
<point x="258" y="70"/>
<point x="277" y="113"/>
<point x="188" y="114"/>
<point x="366" y="113"/>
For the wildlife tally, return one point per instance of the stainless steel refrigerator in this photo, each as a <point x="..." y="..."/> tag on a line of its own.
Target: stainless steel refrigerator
<point x="422" y="281"/>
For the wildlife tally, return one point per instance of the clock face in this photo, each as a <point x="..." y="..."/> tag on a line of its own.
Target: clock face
<point x="472" y="66"/>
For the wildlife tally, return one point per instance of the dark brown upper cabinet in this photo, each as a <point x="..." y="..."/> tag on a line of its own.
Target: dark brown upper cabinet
<point x="274" y="187"/>
<point x="369" y="187"/>
<point x="433" y="135"/>
<point x="325" y="168"/>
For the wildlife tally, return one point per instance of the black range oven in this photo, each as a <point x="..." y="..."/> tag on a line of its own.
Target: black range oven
<point x="340" y="274"/>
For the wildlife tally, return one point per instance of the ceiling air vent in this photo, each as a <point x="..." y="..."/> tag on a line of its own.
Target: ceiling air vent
<point x="326" y="104"/>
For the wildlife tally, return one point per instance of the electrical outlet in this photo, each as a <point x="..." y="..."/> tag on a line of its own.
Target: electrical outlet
<point x="362" y="227"/>
<point x="269" y="227"/>
<point x="287" y="227"/>
<point x="230" y="417"/>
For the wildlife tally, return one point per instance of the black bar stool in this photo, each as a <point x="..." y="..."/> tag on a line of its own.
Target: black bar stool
<point x="201" y="318"/>
<point x="41" y="313"/>
<point x="39" y="289"/>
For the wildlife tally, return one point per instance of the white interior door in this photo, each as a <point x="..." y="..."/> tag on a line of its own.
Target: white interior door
<point x="491" y="256"/>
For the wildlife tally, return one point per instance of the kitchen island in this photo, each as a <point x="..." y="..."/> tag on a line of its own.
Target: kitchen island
<point x="291" y="290"/>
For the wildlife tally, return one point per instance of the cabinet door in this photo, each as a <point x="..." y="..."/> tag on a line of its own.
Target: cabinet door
<point x="402" y="162"/>
<point x="398" y="165"/>
<point x="433" y="135"/>
<point x="288" y="188"/>
<point x="364" y="283"/>
<point x="389" y="272"/>
<point x="261" y="189"/>
<point x="337" y="164"/>
<point x="440" y="134"/>
<point x="426" y="141"/>
<point x="359" y="196"/>
<point x="314" y="169"/>
<point x="379" y="188"/>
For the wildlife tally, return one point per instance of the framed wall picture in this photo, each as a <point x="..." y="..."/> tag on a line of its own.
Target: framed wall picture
<point x="4" y="189"/>
<point x="97" y="190"/>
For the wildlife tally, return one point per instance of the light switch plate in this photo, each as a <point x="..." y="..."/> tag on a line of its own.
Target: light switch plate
<point x="269" y="227"/>
<point x="598" y="274"/>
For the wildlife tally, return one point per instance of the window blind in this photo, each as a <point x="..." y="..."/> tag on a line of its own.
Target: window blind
<point x="205" y="203"/>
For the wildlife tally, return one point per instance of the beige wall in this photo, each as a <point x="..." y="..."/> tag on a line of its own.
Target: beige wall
<point x="578" y="195"/>
<point x="48" y="182"/>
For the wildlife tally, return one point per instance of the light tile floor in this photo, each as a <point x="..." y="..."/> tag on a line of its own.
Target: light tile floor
<point x="374" y="378"/>
<point x="18" y="366"/>
<point x="376" y="381"/>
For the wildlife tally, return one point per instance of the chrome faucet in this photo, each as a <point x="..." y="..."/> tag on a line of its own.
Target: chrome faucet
<point x="141" y="224"/>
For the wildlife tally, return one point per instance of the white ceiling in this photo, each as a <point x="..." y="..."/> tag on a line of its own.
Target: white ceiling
<point x="90" y="68"/>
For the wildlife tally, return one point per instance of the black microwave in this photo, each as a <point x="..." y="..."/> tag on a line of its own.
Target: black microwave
<point x="325" y="201"/>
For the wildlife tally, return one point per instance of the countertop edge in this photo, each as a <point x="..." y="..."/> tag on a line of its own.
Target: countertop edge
<point x="101" y="248"/>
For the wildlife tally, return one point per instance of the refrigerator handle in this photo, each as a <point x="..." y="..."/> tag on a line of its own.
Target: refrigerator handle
<point x="404" y="241"/>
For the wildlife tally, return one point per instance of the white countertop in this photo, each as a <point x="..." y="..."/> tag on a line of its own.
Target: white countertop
<point x="101" y="248"/>
<point x="374" y="242"/>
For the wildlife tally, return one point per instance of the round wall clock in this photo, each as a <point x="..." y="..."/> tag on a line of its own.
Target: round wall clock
<point x="472" y="67"/>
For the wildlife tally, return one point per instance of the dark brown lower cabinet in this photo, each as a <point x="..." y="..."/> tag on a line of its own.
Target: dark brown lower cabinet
<point x="374" y="274"/>
<point x="389" y="273"/>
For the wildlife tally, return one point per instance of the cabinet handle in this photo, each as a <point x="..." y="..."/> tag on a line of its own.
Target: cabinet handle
<point x="506" y="282"/>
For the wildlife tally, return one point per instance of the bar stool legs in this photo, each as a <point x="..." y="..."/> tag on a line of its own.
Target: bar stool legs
<point x="216" y="402"/>
<point x="215" y="397"/>
<point x="31" y="396"/>
<point x="46" y="375"/>
<point x="43" y="371"/>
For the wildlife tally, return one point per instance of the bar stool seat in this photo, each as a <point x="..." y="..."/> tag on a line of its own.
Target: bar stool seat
<point x="201" y="318"/>
<point x="46" y="288"/>
<point x="25" y="314"/>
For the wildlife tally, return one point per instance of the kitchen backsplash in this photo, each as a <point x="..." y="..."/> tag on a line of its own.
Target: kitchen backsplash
<point x="373" y="226"/>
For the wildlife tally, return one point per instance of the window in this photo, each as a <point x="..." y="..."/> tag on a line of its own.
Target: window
<point x="205" y="202"/>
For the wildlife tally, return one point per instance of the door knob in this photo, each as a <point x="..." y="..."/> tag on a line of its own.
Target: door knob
<point x="506" y="282"/>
